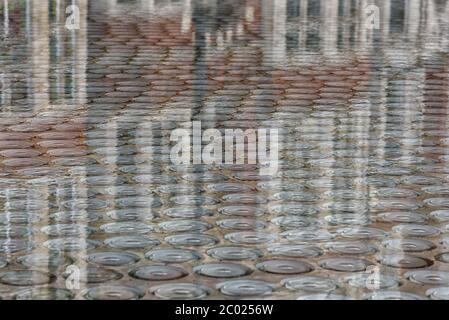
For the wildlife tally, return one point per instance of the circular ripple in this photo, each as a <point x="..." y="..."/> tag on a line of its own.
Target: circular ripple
<point x="404" y="261"/>
<point x="345" y="264"/>
<point x="437" y="202"/>
<point x="13" y="231"/>
<point x="18" y="218"/>
<point x="26" y="278"/>
<point x="279" y="185"/>
<point x="396" y="193"/>
<point x="67" y="230"/>
<point x="362" y="233"/>
<point x="372" y="281"/>
<point x="294" y="196"/>
<point x="241" y="224"/>
<point x="187" y="212"/>
<point x="441" y="293"/>
<point x="401" y="217"/>
<point x="234" y="253"/>
<point x="177" y="189"/>
<point x="310" y="283"/>
<point x="437" y="190"/>
<point x="245" y="288"/>
<point x="307" y="235"/>
<point x="248" y="237"/>
<point x="96" y="275"/>
<point x="292" y="222"/>
<point x="71" y="244"/>
<point x="428" y="277"/>
<point x="440" y="215"/>
<point x="222" y="270"/>
<point x="245" y="198"/>
<point x="180" y="291"/>
<point x="44" y="260"/>
<point x="229" y="187"/>
<point x="74" y="217"/>
<point x="126" y="227"/>
<point x="191" y="239"/>
<point x="3" y="262"/>
<point x="352" y="247"/>
<point x="397" y="204"/>
<point x="245" y="211"/>
<point x="408" y="245"/>
<point x="443" y="257"/>
<point x="284" y="266"/>
<point x="347" y="219"/>
<point x="416" y="230"/>
<point x="392" y="295"/>
<point x="324" y="296"/>
<point x="184" y="226"/>
<point x="295" y="251"/>
<point x="132" y="242"/>
<point x="173" y="255"/>
<point x="158" y="273"/>
<point x="138" y="202"/>
<point x="193" y="200"/>
<point x="113" y="293"/>
<point x="15" y="245"/>
<point x="112" y="259"/>
<point x="43" y="294"/>
<point x="295" y="209"/>
<point x="130" y="214"/>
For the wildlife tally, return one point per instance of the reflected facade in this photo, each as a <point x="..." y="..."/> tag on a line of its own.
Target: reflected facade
<point x="92" y="207"/>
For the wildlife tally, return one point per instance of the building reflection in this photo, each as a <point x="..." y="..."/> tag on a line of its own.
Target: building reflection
<point x="52" y="69"/>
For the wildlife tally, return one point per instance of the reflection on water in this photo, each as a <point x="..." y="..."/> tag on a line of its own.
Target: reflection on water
<point x="92" y="207"/>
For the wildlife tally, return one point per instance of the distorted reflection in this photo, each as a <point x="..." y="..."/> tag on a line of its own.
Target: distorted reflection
<point x="92" y="207"/>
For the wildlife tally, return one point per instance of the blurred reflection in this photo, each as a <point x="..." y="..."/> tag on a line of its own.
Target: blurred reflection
<point x="85" y="123"/>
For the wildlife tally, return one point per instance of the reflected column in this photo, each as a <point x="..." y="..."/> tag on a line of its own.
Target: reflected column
<point x="40" y="53"/>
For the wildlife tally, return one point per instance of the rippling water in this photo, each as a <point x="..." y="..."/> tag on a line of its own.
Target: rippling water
<point x="91" y="207"/>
